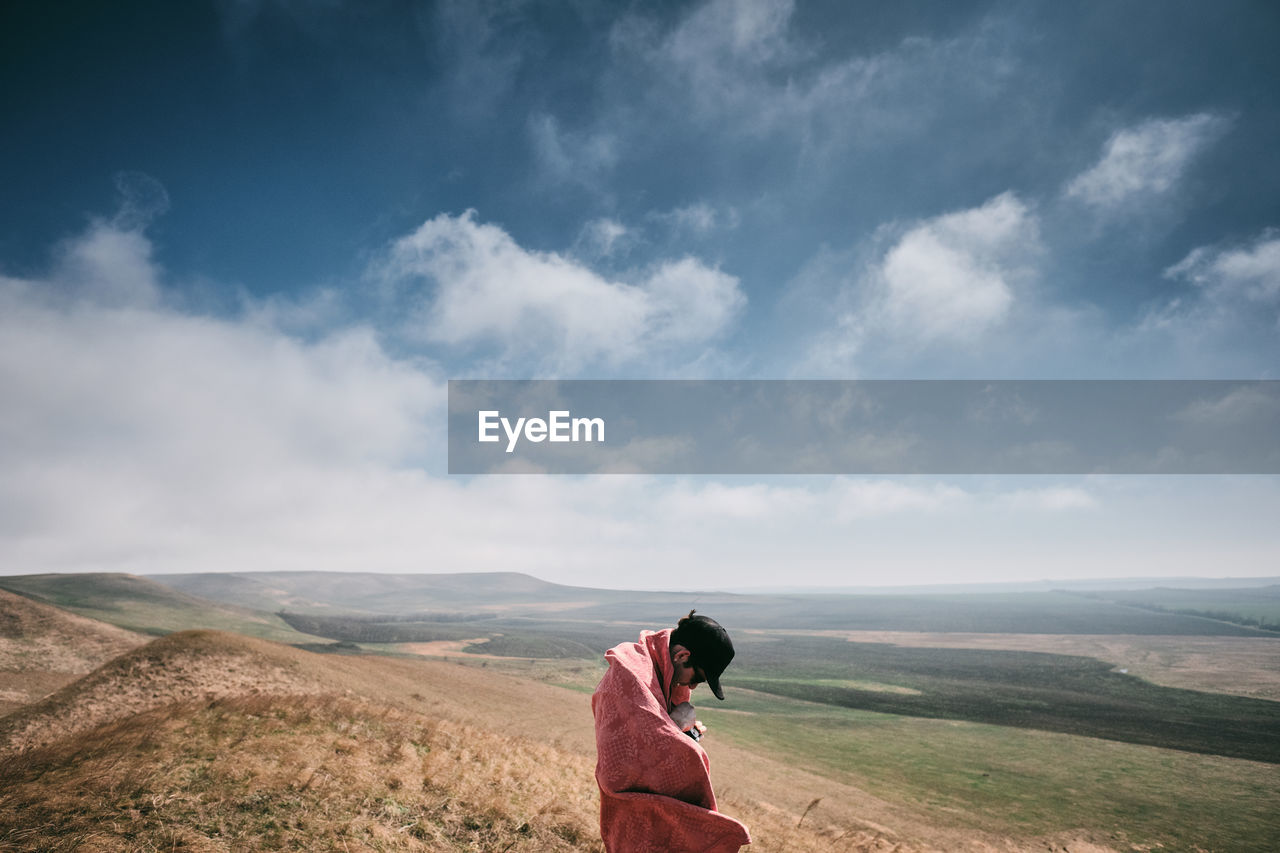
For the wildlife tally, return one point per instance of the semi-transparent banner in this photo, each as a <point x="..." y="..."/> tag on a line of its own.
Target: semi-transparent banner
<point x="864" y="427"/>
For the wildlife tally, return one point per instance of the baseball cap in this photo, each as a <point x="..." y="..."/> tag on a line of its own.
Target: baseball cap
<point x="709" y="646"/>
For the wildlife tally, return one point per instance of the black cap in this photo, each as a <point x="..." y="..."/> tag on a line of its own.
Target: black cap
<point x="709" y="647"/>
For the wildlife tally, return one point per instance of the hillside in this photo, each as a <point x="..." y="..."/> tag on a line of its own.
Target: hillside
<point x="369" y="592"/>
<point x="215" y="741"/>
<point x="208" y="741"/>
<point x="43" y="648"/>
<point x="141" y="605"/>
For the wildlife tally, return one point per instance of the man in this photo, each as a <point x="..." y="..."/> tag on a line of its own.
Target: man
<point x="655" y="787"/>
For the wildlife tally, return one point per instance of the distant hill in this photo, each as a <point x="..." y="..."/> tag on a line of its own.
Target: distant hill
<point x="42" y="648"/>
<point x="138" y="604"/>
<point x="1086" y="585"/>
<point x="380" y="593"/>
<point x="510" y="601"/>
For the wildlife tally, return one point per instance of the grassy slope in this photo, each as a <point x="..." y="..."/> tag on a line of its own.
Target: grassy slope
<point x="312" y="753"/>
<point x="1038" y="784"/>
<point x="1015" y="782"/>
<point x="141" y="605"/>
<point x="277" y="773"/>
<point x="973" y="780"/>
<point x="42" y="648"/>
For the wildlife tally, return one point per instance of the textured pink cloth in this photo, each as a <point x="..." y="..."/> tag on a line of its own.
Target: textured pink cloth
<point x="655" y="787"/>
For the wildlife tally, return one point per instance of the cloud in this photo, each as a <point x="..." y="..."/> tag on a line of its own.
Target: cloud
<point x="738" y="64"/>
<point x="1049" y="499"/>
<point x="547" y="311"/>
<point x="602" y="238"/>
<point x="566" y="157"/>
<point x="136" y="435"/>
<point x="942" y="282"/>
<point x="108" y="266"/>
<point x="142" y="199"/>
<point x="1250" y="273"/>
<point x="1226" y="322"/>
<point x="697" y="219"/>
<point x="1146" y="160"/>
<point x="858" y="499"/>
<point x="951" y="278"/>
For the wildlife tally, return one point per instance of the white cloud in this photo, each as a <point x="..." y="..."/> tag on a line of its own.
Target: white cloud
<point x="1251" y="273"/>
<point x="548" y="311"/>
<point x="1050" y="499"/>
<point x="601" y="238"/>
<point x="1145" y="160"/>
<point x="1225" y="323"/>
<point x="108" y="266"/>
<point x="135" y="436"/>
<point x="706" y="502"/>
<point x="858" y="499"/>
<point x="949" y="280"/>
<point x="737" y="64"/>
<point x="697" y="219"/>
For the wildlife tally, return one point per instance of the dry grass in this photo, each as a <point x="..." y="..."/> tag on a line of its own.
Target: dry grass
<point x="293" y="773"/>
<point x="205" y="741"/>
<point x="325" y="773"/>
<point x="189" y="665"/>
<point x="43" y="648"/>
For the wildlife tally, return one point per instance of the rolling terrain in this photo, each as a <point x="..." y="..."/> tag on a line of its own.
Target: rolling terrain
<point x="144" y="606"/>
<point x="211" y="741"/>
<point x="474" y="733"/>
<point x="43" y="648"/>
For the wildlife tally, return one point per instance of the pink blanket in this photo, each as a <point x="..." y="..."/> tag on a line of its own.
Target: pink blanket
<point x="655" y="787"/>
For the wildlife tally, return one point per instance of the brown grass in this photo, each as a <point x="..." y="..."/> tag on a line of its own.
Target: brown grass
<point x="292" y="773"/>
<point x="209" y="741"/>
<point x="43" y="648"/>
<point x="204" y="741"/>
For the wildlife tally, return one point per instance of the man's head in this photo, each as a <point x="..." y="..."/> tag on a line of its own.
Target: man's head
<point x="701" y="650"/>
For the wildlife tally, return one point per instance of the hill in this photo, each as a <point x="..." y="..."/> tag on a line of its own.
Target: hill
<point x="208" y="741"/>
<point x="370" y="592"/>
<point x="499" y="597"/>
<point x="43" y="648"/>
<point x="218" y="736"/>
<point x="142" y="605"/>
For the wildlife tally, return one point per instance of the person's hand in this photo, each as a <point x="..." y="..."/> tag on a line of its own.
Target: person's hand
<point x="685" y="716"/>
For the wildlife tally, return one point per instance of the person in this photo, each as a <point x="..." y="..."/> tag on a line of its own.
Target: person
<point x="654" y="775"/>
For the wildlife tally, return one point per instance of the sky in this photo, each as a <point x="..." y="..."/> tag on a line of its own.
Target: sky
<point x="244" y="244"/>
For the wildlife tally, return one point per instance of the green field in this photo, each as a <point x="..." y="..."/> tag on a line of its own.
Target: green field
<point x="1016" y="781"/>
<point x="1011" y="781"/>
<point x="1255" y="607"/>
<point x="1058" y="693"/>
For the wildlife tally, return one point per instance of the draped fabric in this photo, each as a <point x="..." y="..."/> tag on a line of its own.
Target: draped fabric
<point x="655" y="783"/>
